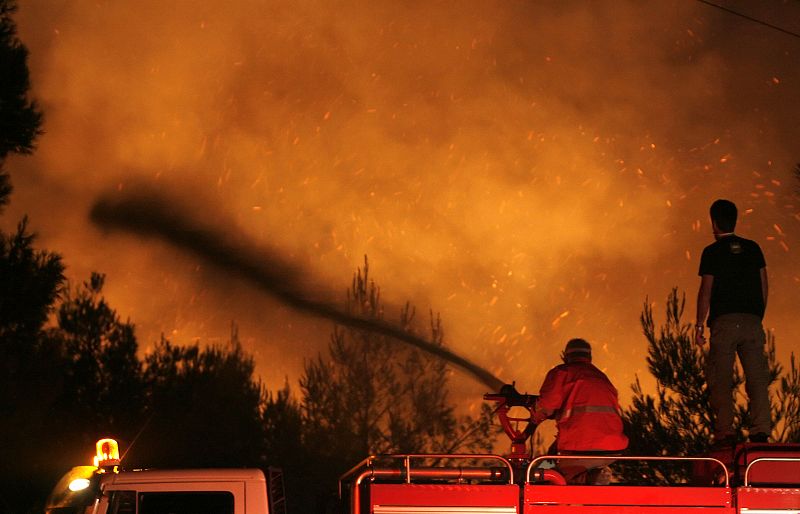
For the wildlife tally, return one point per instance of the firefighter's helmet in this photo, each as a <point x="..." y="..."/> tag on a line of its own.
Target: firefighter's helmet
<point x="577" y="348"/>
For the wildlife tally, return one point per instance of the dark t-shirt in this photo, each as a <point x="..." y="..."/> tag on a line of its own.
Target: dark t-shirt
<point x="736" y="265"/>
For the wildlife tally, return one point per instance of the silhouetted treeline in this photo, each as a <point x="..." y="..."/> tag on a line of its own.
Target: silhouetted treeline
<point x="20" y="117"/>
<point x="72" y="372"/>
<point x="69" y="383"/>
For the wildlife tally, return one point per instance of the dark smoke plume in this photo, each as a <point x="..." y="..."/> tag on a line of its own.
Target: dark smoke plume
<point x="150" y="214"/>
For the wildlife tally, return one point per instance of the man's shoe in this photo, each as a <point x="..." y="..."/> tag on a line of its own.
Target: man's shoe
<point x="760" y="437"/>
<point x="599" y="476"/>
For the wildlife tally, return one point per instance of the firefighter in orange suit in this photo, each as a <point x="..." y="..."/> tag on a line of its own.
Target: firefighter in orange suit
<point x="584" y="404"/>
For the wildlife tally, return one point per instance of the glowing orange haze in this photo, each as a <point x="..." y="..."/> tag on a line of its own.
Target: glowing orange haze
<point x="532" y="171"/>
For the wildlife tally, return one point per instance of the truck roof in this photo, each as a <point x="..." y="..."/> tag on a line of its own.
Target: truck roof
<point x="185" y="475"/>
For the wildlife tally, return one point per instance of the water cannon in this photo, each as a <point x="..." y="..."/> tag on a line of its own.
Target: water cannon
<point x="518" y="428"/>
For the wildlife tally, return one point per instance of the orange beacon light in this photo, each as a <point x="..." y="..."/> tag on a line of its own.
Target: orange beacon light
<point x="107" y="454"/>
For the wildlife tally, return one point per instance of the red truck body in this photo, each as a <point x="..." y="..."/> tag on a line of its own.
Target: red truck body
<point x="744" y="479"/>
<point x="747" y="479"/>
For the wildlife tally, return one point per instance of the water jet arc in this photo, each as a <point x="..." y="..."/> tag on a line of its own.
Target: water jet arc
<point x="153" y="215"/>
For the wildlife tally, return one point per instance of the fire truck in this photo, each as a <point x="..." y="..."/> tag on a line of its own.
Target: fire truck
<point x="747" y="478"/>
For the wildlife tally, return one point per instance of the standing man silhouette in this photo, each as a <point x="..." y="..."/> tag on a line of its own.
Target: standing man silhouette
<point x="733" y="294"/>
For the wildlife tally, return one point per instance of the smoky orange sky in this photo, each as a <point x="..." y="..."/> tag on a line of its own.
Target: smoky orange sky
<point x="532" y="171"/>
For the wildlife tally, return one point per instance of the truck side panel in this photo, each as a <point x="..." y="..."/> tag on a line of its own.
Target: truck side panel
<point x="443" y="499"/>
<point x="768" y="499"/>
<point x="555" y="499"/>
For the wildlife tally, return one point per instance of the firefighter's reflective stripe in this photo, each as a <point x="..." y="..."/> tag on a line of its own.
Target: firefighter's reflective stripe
<point x="582" y="409"/>
<point x="397" y="509"/>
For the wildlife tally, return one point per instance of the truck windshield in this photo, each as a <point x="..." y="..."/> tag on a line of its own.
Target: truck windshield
<point x="76" y="491"/>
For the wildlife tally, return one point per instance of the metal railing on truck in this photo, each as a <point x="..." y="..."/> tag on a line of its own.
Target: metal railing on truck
<point x="763" y="460"/>
<point x="538" y="461"/>
<point x="407" y="473"/>
<point x="549" y="497"/>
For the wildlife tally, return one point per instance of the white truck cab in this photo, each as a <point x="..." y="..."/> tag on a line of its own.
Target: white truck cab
<point x="105" y="489"/>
